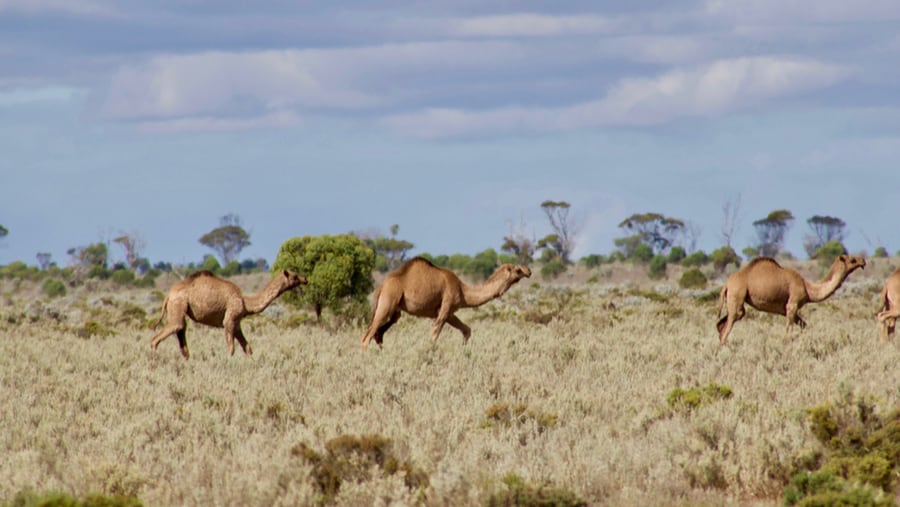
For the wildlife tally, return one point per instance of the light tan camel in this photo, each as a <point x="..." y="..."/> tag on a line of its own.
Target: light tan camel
<point x="890" y="305"/>
<point x="422" y="289"/>
<point x="768" y="287"/>
<point x="210" y="300"/>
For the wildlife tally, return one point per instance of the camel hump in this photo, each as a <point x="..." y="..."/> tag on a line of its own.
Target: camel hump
<point x="199" y="274"/>
<point x="763" y="260"/>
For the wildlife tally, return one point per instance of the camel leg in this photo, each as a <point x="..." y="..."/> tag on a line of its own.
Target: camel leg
<point x="735" y="313"/>
<point x="454" y="321"/>
<point x="888" y="320"/>
<point x="382" y="319"/>
<point x="182" y="343"/>
<point x="379" y="335"/>
<point x="239" y="334"/>
<point x="230" y="325"/>
<point x="439" y="321"/>
<point x="791" y="314"/>
<point x="171" y="327"/>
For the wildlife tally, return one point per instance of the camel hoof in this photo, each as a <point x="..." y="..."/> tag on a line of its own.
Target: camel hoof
<point x="186" y="354"/>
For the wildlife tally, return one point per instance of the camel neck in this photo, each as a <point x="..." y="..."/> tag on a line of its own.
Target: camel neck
<point x="257" y="302"/>
<point x="477" y="295"/>
<point x="823" y="289"/>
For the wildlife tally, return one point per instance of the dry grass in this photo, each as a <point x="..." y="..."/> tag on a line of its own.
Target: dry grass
<point x="87" y="413"/>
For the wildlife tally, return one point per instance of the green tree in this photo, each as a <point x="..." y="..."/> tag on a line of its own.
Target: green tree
<point x="339" y="270"/>
<point x="562" y="240"/>
<point x="390" y="251"/>
<point x="228" y="239"/>
<point x="724" y="256"/>
<point x="90" y="260"/>
<point x="653" y="229"/>
<point x="770" y="232"/>
<point x="3" y="231"/>
<point x="824" y="229"/>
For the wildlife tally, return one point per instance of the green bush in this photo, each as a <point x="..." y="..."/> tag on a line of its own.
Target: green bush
<point x="593" y="260"/>
<point x="123" y="276"/>
<point x="339" y="270"/>
<point x="690" y="399"/>
<point x="642" y="253"/>
<point x="552" y="269"/>
<point x="657" y="267"/>
<point x="676" y="254"/>
<point x="724" y="256"/>
<point x="692" y="279"/>
<point x="880" y="252"/>
<point x="54" y="287"/>
<point x="827" y="253"/>
<point x="861" y="460"/>
<point x="517" y="493"/>
<point x="695" y="260"/>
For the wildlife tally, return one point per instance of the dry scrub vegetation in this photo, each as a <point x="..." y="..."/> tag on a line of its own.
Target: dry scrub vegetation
<point x="580" y="393"/>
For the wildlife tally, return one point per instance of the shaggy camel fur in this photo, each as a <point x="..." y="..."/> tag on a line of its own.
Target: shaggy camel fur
<point x="422" y="289"/>
<point x="210" y="300"/>
<point x="890" y="305"/>
<point x="768" y="287"/>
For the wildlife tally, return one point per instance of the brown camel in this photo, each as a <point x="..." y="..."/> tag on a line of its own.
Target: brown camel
<point x="890" y="304"/>
<point x="210" y="300"/>
<point x="422" y="289"/>
<point x="768" y="287"/>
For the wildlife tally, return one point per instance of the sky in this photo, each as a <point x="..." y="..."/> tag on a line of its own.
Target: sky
<point x="454" y="120"/>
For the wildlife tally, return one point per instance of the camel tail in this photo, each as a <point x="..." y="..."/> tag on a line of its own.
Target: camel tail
<point x="162" y="314"/>
<point x="722" y="294"/>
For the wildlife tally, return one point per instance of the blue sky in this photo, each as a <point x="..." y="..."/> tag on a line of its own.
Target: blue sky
<point x="454" y="120"/>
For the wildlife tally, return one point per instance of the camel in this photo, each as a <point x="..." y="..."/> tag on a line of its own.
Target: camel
<point x="890" y="304"/>
<point x="420" y="288"/>
<point x="210" y="300"/>
<point x="768" y="287"/>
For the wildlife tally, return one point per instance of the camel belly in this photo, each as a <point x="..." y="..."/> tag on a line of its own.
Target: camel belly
<point x="209" y="316"/>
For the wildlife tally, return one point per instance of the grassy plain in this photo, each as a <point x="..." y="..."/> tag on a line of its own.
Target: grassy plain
<point x="564" y="384"/>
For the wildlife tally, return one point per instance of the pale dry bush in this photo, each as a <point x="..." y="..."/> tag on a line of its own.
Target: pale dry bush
<point x="109" y="415"/>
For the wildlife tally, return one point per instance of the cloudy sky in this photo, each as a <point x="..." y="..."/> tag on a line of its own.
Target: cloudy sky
<point x="454" y="120"/>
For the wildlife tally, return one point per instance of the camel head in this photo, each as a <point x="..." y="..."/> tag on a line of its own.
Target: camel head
<point x="291" y="279"/>
<point x="851" y="263"/>
<point x="510" y="274"/>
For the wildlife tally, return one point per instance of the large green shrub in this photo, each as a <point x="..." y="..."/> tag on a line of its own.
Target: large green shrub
<point x="339" y="270"/>
<point x="657" y="267"/>
<point x="692" y="279"/>
<point x="827" y="253"/>
<point x="54" y="287"/>
<point x="724" y="256"/>
<point x="695" y="260"/>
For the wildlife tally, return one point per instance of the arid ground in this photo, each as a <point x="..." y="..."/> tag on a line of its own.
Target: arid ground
<point x="567" y="384"/>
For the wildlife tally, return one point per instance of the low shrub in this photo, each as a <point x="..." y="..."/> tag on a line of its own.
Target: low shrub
<point x="56" y="499"/>
<point x="54" y="287"/>
<point x="517" y="492"/>
<point x="690" y="399"/>
<point x="349" y="458"/>
<point x="657" y="267"/>
<point x="692" y="279"/>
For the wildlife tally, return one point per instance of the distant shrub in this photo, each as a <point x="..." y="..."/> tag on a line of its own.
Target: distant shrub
<point x="593" y="260"/>
<point x="231" y="269"/>
<point x="20" y="270"/>
<point x="827" y="253"/>
<point x="724" y="256"/>
<point x="349" y="458"/>
<point x="503" y="414"/>
<point x="54" y="287"/>
<point x="518" y="493"/>
<point x="880" y="252"/>
<point x="692" y="279"/>
<point x="696" y="259"/>
<point x="676" y="254"/>
<point x="56" y="499"/>
<point x="552" y="269"/>
<point x="657" y="267"/>
<point x="690" y="399"/>
<point x="92" y="329"/>
<point x="211" y="264"/>
<point x="642" y="253"/>
<point x="123" y="276"/>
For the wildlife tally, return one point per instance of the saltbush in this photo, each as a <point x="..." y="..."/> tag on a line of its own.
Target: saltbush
<point x="55" y="499"/>
<point x="696" y="259"/>
<point x="657" y="267"/>
<point x="676" y="254"/>
<point x="690" y="399"/>
<point x="518" y="493"/>
<point x="692" y="279"/>
<point x="54" y="287"/>
<point x="349" y="458"/>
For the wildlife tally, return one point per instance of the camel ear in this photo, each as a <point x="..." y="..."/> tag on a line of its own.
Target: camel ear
<point x="284" y="273"/>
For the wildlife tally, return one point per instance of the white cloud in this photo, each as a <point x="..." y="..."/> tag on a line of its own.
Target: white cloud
<point x="799" y="11"/>
<point x="280" y="119"/>
<point x="532" y="25"/>
<point x="711" y="90"/>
